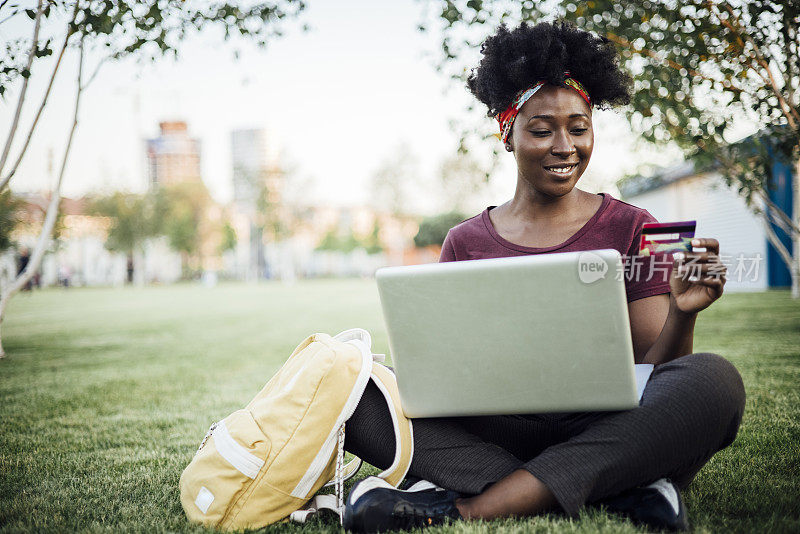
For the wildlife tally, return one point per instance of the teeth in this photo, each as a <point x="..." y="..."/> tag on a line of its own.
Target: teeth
<point x="562" y="170"/>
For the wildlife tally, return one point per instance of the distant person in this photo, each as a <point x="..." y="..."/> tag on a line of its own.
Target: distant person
<point x="24" y="260"/>
<point x="64" y="275"/>
<point x="129" y="269"/>
<point x="542" y="83"/>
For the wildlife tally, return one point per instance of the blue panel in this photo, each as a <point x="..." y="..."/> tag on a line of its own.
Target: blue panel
<point x="781" y="194"/>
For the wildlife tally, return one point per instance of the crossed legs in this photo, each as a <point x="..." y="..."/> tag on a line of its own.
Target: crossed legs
<point x="523" y="465"/>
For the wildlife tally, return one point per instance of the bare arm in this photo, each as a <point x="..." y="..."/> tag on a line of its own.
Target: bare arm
<point x="660" y="330"/>
<point x="662" y="326"/>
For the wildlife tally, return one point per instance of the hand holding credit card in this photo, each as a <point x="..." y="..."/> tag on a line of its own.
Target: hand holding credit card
<point x="667" y="238"/>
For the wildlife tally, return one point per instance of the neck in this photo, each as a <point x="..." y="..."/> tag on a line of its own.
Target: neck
<point x="529" y="204"/>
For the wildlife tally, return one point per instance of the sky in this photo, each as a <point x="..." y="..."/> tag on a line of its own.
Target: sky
<point x="338" y="101"/>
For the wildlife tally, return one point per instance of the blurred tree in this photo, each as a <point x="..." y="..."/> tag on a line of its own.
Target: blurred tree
<point x="350" y="242"/>
<point x="395" y="185"/>
<point x="133" y="220"/>
<point x="462" y="180"/>
<point x="335" y="242"/>
<point x="272" y="216"/>
<point x="229" y="239"/>
<point x="9" y="217"/>
<point x="433" y="230"/>
<point x="330" y="241"/>
<point x="105" y="31"/>
<point x="183" y="219"/>
<point x="372" y="243"/>
<point x="699" y="66"/>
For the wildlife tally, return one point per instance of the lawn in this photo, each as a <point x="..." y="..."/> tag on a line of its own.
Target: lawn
<point x="106" y="394"/>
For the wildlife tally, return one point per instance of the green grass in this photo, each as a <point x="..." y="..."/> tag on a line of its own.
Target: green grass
<point x="106" y="394"/>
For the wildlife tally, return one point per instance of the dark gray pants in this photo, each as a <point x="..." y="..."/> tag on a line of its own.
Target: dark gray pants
<point x="690" y="409"/>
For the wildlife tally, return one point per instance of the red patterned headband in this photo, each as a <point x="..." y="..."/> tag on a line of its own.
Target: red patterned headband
<point x="506" y="118"/>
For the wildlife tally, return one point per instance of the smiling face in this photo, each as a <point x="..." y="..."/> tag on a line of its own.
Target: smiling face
<point x="552" y="139"/>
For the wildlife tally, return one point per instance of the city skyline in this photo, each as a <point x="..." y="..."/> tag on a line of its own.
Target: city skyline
<point x="339" y="100"/>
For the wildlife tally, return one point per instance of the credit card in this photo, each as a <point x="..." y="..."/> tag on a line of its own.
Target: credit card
<point x="667" y="238"/>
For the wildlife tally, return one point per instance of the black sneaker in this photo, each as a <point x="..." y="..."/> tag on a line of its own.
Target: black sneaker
<point x="375" y="506"/>
<point x="658" y="506"/>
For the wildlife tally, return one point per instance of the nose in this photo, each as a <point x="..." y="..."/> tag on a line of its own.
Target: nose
<point x="563" y="145"/>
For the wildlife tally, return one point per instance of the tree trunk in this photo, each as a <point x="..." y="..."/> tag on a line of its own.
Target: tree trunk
<point x="5" y="179"/>
<point x="795" y="215"/>
<point x="130" y="268"/>
<point x="52" y="211"/>
<point x="23" y="90"/>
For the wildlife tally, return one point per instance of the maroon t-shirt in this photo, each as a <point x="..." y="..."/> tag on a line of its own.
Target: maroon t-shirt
<point x="616" y="225"/>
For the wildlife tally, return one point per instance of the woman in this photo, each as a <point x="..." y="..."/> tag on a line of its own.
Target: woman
<point x="541" y="83"/>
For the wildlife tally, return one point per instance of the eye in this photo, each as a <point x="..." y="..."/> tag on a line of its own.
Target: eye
<point x="540" y="133"/>
<point x="579" y="131"/>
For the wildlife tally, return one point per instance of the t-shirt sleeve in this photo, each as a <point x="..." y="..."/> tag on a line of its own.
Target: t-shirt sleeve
<point x="448" y="249"/>
<point x="645" y="276"/>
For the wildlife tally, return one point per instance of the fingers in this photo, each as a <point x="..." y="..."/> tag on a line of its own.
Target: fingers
<point x="701" y="268"/>
<point x="696" y="266"/>
<point x="716" y="285"/>
<point x="708" y="243"/>
<point x="701" y="272"/>
<point x="695" y="257"/>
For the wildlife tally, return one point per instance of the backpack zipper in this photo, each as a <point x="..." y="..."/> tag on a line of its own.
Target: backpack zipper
<point x="208" y="435"/>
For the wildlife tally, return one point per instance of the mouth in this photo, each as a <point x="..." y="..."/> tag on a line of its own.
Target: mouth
<point x="562" y="169"/>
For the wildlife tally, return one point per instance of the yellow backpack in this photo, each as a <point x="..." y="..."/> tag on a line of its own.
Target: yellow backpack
<point x="266" y="462"/>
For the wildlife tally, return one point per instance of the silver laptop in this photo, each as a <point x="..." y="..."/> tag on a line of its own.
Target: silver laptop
<point x="529" y="334"/>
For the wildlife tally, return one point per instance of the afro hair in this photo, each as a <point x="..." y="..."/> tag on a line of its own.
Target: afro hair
<point x="516" y="59"/>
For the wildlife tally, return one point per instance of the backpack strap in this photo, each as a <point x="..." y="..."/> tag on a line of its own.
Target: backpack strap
<point x="403" y="432"/>
<point x="404" y="450"/>
<point x="386" y="382"/>
<point x="356" y="336"/>
<point x="312" y="508"/>
<point x="350" y="470"/>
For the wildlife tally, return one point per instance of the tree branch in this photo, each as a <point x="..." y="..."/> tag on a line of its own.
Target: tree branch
<point x="787" y="75"/>
<point x="779" y="216"/>
<point x="622" y="41"/>
<point x="776" y="242"/>
<point x="52" y="208"/>
<point x="96" y="71"/>
<point x="23" y="90"/>
<point x="11" y="16"/>
<point x="789" y="111"/>
<point x="5" y="179"/>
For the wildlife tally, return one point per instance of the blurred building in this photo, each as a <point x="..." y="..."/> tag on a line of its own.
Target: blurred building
<point x="79" y="254"/>
<point x="281" y="239"/>
<point x="255" y="167"/>
<point x="365" y="240"/>
<point x="173" y="157"/>
<point x="257" y="187"/>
